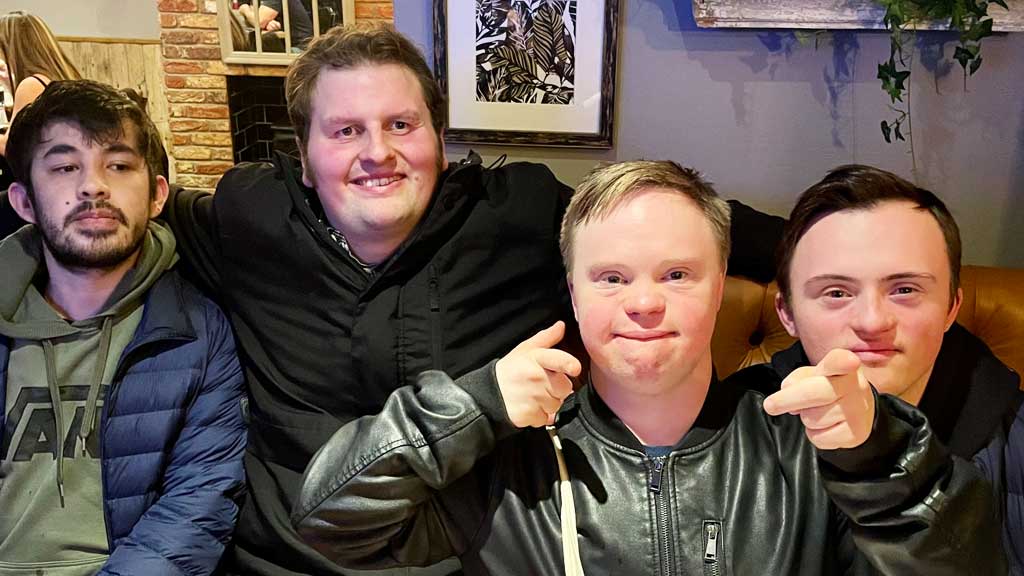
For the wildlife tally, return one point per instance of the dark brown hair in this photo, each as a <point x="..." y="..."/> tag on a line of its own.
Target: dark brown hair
<point x="859" y="187"/>
<point x="97" y="110"/>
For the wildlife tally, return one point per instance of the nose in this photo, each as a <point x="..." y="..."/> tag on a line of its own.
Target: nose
<point x="93" y="184"/>
<point x="377" y="147"/>
<point x="873" y="315"/>
<point x="644" y="300"/>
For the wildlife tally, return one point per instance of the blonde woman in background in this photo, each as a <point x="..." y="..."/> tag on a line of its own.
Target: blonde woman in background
<point x="33" y="60"/>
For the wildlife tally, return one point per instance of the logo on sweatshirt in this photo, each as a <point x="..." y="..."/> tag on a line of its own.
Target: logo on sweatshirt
<point x="30" y="426"/>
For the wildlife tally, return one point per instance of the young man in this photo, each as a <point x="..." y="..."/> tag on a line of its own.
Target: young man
<point x="122" y="430"/>
<point x="656" y="468"/>
<point x="871" y="263"/>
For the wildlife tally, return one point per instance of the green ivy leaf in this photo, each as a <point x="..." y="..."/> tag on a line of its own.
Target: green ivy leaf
<point x="962" y="56"/>
<point x="886" y="132"/>
<point x="899" y="135"/>
<point x="975" y="65"/>
<point x="979" y="30"/>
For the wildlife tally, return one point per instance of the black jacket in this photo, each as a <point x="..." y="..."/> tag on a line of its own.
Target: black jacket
<point x="322" y="342"/>
<point x="441" y="470"/>
<point x="974" y="406"/>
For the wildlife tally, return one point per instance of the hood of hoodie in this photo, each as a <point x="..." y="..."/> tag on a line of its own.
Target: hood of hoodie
<point x="22" y="255"/>
<point x="25" y="315"/>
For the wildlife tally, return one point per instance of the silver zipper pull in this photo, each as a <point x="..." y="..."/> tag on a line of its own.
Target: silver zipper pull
<point x="711" y="550"/>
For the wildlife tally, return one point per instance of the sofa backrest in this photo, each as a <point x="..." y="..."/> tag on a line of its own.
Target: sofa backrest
<point x="749" y="332"/>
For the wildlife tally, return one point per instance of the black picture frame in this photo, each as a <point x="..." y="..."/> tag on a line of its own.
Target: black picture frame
<point x="460" y="99"/>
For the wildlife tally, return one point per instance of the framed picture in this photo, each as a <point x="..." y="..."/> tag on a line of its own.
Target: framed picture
<point x="527" y="72"/>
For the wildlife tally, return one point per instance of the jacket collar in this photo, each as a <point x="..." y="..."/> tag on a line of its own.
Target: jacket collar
<point x="967" y="382"/>
<point x="164" y="317"/>
<point x="715" y="415"/>
<point x="967" y="387"/>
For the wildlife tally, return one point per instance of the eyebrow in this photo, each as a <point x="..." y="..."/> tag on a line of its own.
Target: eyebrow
<point x="59" y="149"/>
<point x="670" y="263"/>
<point x="889" y="278"/>
<point x="407" y="113"/>
<point x="115" y="147"/>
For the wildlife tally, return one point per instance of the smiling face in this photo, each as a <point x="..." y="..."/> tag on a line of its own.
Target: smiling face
<point x="647" y="283"/>
<point x="91" y="200"/>
<point x="373" y="155"/>
<point x="874" y="281"/>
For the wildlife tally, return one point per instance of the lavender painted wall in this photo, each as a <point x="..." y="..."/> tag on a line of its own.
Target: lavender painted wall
<point x="764" y="117"/>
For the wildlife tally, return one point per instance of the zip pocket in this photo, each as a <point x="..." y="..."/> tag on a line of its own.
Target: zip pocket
<point x="436" y="334"/>
<point x="712" y="547"/>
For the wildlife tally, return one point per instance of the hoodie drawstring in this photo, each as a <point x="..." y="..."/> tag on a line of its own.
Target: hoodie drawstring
<point x="88" y="420"/>
<point x="58" y="420"/>
<point x="570" y="543"/>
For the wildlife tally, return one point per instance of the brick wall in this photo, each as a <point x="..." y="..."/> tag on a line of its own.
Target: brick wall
<point x="196" y="86"/>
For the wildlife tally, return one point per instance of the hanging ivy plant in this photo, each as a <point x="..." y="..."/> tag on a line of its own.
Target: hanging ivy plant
<point x="969" y="17"/>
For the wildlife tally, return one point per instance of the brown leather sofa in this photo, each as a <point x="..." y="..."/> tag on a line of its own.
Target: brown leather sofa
<point x="749" y="332"/>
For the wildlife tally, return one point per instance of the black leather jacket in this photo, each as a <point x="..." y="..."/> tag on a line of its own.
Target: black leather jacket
<point x="442" y="471"/>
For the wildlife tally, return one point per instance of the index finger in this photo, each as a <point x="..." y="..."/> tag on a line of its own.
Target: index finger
<point x="807" y="393"/>
<point x="838" y="362"/>
<point x="555" y="360"/>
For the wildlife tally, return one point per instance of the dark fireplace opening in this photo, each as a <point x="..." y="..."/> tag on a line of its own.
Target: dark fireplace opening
<point x="259" y="118"/>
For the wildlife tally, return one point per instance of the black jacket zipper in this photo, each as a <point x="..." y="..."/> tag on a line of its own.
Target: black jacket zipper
<point x="661" y="513"/>
<point x="712" y="535"/>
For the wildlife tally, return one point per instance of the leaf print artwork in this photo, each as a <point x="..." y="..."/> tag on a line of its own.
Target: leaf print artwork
<point x="526" y="51"/>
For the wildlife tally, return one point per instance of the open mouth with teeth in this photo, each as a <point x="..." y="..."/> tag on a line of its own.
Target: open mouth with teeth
<point x="377" y="182"/>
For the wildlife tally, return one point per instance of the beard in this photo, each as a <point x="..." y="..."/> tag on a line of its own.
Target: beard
<point x="91" y="248"/>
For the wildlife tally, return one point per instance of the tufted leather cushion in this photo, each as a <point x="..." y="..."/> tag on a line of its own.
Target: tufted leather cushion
<point x="749" y="332"/>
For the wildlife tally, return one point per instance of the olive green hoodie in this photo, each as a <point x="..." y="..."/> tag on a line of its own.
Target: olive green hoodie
<point x="57" y="373"/>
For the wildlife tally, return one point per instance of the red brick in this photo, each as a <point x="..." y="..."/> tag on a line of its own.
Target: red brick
<point x="199" y="111"/>
<point x="179" y="139"/>
<point x="201" y="52"/>
<point x="201" y="21"/>
<point x="212" y="138"/>
<point x="175" y="81"/>
<point x="177" y="6"/>
<point x="217" y="168"/>
<point x="375" y="11"/>
<point x="205" y="82"/>
<point x="168" y="21"/>
<point x="177" y="36"/>
<point x="184" y="68"/>
<point x="186" y="125"/>
<point x="192" y="153"/>
<point x="171" y="51"/>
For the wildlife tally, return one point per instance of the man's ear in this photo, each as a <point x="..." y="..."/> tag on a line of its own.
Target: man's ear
<point x="444" y="155"/>
<point x="21" y="202"/>
<point x="156" y="205"/>
<point x="785" y="315"/>
<point x="954" y="309"/>
<point x="302" y="157"/>
<point x="572" y="297"/>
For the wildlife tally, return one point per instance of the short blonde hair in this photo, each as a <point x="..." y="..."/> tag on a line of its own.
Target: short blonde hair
<point x="608" y="185"/>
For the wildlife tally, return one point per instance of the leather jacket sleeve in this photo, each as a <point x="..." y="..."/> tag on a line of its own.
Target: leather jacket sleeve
<point x="371" y="496"/>
<point x="912" y="507"/>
